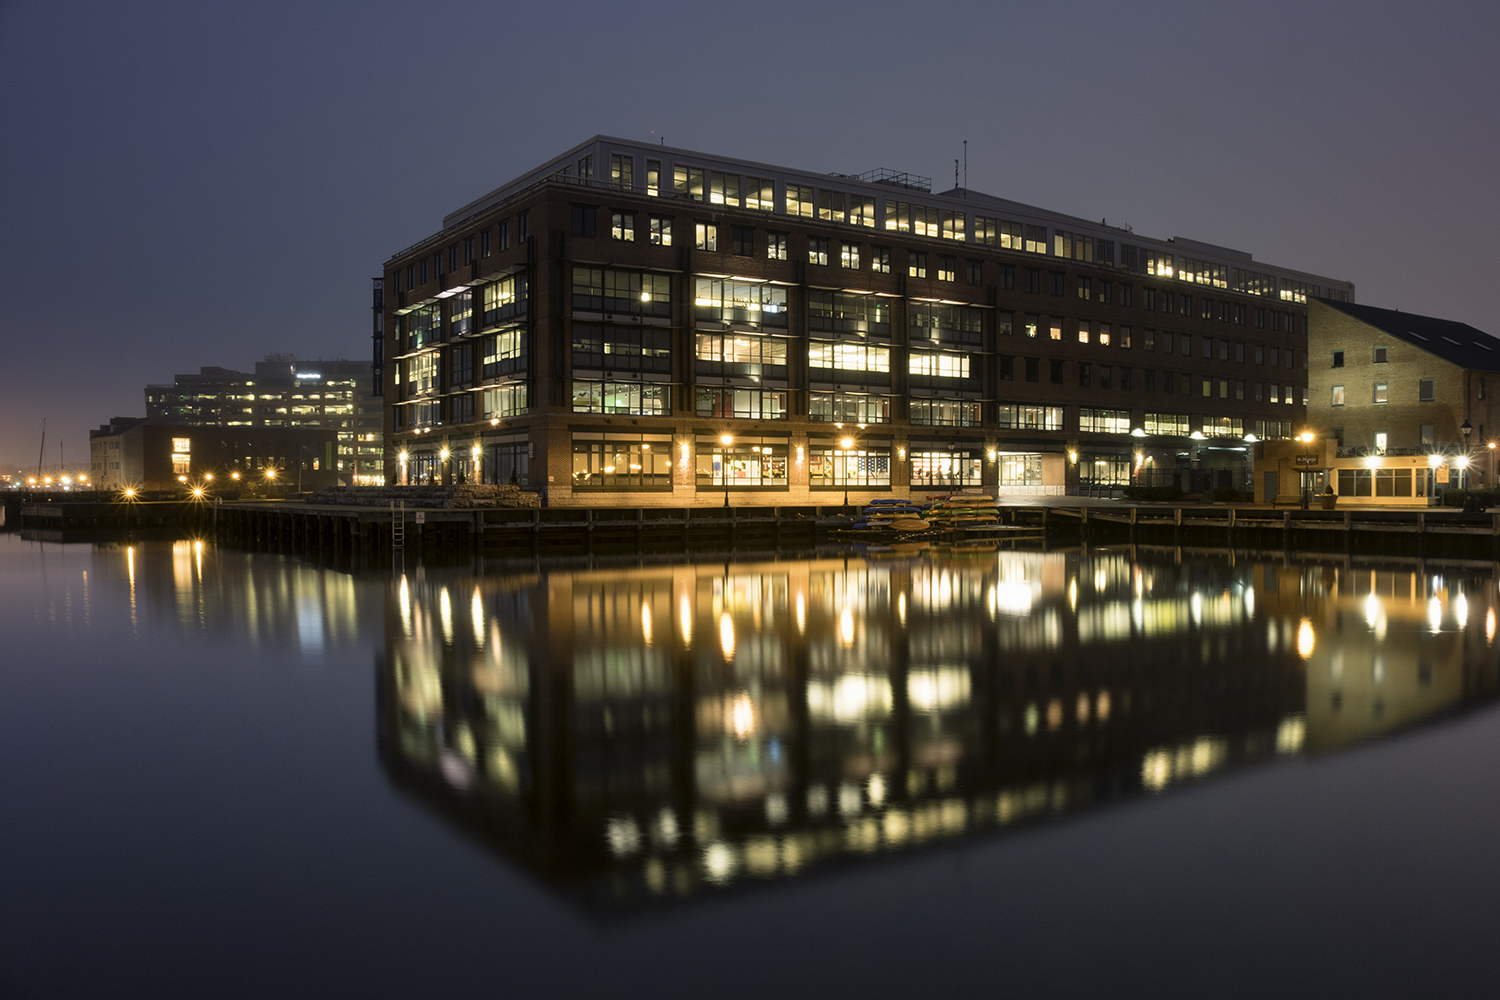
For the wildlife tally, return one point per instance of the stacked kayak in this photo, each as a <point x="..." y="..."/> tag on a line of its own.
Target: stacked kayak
<point x="891" y="515"/>
<point x="963" y="510"/>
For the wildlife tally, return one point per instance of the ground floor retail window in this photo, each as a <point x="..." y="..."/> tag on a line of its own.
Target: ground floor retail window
<point x="508" y="462"/>
<point x="423" y="468"/>
<point x="745" y="404"/>
<point x="1104" y="470"/>
<point x="1020" y="470"/>
<point x="945" y="468"/>
<point x="745" y="461"/>
<point x="613" y="461"/>
<point x="1384" y="482"/>
<point x="860" y="466"/>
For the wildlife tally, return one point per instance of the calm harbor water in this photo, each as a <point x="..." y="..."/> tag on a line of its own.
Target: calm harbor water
<point x="237" y="774"/>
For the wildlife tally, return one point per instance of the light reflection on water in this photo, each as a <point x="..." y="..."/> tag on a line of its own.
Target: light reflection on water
<point x="647" y="734"/>
<point x="265" y="600"/>
<point x="653" y="733"/>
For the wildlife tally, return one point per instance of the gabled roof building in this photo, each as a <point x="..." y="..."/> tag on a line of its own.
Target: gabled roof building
<point x="1408" y="399"/>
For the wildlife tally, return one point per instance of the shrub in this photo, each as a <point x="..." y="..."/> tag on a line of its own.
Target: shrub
<point x="1482" y="498"/>
<point x="1153" y="493"/>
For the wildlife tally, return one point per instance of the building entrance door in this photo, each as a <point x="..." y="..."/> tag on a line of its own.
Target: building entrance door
<point x="1270" y="487"/>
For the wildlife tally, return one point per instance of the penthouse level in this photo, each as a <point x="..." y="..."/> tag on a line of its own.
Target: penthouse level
<point x="630" y="319"/>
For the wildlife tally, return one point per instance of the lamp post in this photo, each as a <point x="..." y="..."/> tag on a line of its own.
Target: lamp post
<point x="846" y="444"/>
<point x="1492" y="464"/>
<point x="726" y="440"/>
<point x="1465" y="429"/>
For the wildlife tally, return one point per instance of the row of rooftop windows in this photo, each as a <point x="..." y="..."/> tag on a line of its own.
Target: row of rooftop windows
<point x="858" y="210"/>
<point x="865" y="211"/>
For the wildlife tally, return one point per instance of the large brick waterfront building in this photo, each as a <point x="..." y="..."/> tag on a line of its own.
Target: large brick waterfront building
<point x="639" y="324"/>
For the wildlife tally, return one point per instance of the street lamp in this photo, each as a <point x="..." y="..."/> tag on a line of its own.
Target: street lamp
<point x="847" y="444"/>
<point x="1465" y="429"/>
<point x="726" y="440"/>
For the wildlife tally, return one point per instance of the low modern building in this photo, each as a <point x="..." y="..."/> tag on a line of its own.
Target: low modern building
<point x="1406" y="403"/>
<point x="155" y="453"/>
<point x="636" y="324"/>
<point x="335" y="394"/>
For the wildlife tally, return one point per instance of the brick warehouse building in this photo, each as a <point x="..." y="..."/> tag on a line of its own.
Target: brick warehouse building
<point x="634" y="324"/>
<point x="1391" y="396"/>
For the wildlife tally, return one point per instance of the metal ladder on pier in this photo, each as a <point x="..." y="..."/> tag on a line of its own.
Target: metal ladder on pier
<point x="398" y="525"/>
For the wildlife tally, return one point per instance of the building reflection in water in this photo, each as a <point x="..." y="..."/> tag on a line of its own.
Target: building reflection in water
<point x="653" y="734"/>
<point x="265" y="601"/>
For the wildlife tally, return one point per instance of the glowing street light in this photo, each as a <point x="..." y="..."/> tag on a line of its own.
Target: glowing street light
<point x="726" y="440"/>
<point x="846" y="444"/>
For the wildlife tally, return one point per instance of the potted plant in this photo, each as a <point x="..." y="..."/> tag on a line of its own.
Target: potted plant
<point x="1328" y="498"/>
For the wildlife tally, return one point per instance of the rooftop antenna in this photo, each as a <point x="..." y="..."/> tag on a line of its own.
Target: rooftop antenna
<point x="955" y="171"/>
<point x="966" y="168"/>
<point x="43" y="450"/>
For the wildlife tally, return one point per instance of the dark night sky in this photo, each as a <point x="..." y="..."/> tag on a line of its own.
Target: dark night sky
<point x="184" y="184"/>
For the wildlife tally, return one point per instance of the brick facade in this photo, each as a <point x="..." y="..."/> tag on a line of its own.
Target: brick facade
<point x="981" y="378"/>
<point x="1458" y="393"/>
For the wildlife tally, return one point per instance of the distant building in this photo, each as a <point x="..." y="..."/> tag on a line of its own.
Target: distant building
<point x="338" y="395"/>
<point x="154" y="453"/>
<point x="1406" y="401"/>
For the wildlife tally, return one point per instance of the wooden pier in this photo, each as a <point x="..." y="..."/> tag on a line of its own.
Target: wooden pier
<point x="1432" y="531"/>
<point x="374" y="532"/>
